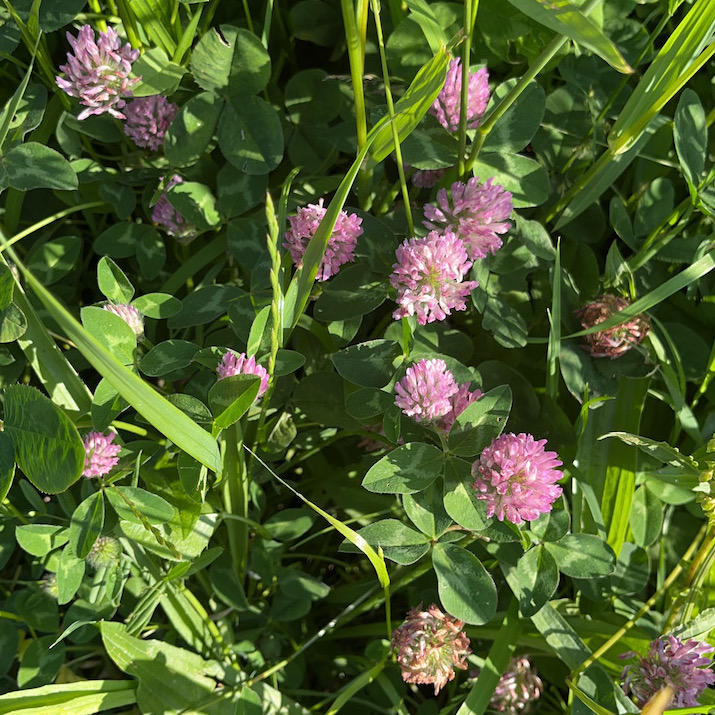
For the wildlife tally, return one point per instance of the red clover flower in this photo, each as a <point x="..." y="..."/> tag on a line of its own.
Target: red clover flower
<point x="100" y="454"/>
<point x="616" y="341"/>
<point x="165" y="215"/>
<point x="517" y="478"/>
<point x="98" y="72"/>
<point x="341" y="244"/>
<point x="427" y="178"/>
<point x="670" y="661"/>
<point x="518" y="689"/>
<point x="430" y="645"/>
<point x="477" y="213"/>
<point x="447" y="106"/>
<point x="148" y="118"/>
<point x="428" y="277"/>
<point x="238" y="364"/>
<point x="130" y="315"/>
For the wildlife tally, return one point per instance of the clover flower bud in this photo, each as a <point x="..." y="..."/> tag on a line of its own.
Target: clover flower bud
<point x="130" y="315"/>
<point x="147" y="119"/>
<point x="104" y="552"/>
<point x="98" y="72"/>
<point x="100" y="454"/>
<point x="165" y="215"/>
<point x="48" y="585"/>
<point x="238" y="364"/>
<point x="448" y="105"/>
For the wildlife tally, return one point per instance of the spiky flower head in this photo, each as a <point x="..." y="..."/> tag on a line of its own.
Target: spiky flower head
<point x="104" y="552"/>
<point x="447" y="107"/>
<point x="100" y="455"/>
<point x="425" y="392"/>
<point x="341" y="244"/>
<point x="98" y="72"/>
<point x="670" y="661"/>
<point x="429" y="277"/>
<point x="165" y="215"/>
<point x="518" y="689"/>
<point x="429" y="646"/>
<point x="427" y="178"/>
<point x="147" y="119"/>
<point x="616" y="341"/>
<point x="238" y="364"/>
<point x="130" y="315"/>
<point x="477" y="213"/>
<point x="517" y="478"/>
<point x="48" y="585"/>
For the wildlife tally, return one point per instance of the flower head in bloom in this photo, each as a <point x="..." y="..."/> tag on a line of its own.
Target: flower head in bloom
<point x="428" y="277"/>
<point x="477" y="213"/>
<point x="239" y="364"/>
<point x="518" y="689"/>
<point x="130" y="315"/>
<point x="517" y="478"/>
<point x="100" y="455"/>
<point x="147" y="119"/>
<point x="427" y="178"/>
<point x="104" y="552"/>
<point x="616" y="341"/>
<point x="165" y="215"/>
<point x="429" y="645"/>
<point x="98" y="72"/>
<point x="670" y="661"/>
<point x="447" y="106"/>
<point x="425" y="392"/>
<point x="341" y="244"/>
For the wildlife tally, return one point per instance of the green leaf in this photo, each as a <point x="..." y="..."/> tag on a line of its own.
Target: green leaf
<point x="113" y="282"/>
<point x="48" y="448"/>
<point x="506" y="324"/>
<point x="632" y="570"/>
<point x="582" y="556"/>
<point x="191" y="132"/>
<point x="289" y="524"/>
<point x="121" y="239"/>
<point x="426" y="511"/>
<point x="690" y="132"/>
<point x="10" y="110"/>
<point x="40" y="539"/>
<point x="168" y="356"/>
<point x="70" y="572"/>
<point x="482" y="422"/>
<point x="525" y="178"/>
<point x="39" y="665"/>
<point x="661" y="451"/>
<point x="368" y="364"/>
<point x="367" y="402"/>
<point x="126" y="500"/>
<point x="204" y="305"/>
<point x="405" y="470"/>
<point x="231" y="397"/>
<point x="159" y="75"/>
<point x="86" y="524"/>
<point x="397" y="541"/>
<point x="355" y="291"/>
<point x="112" y="332"/>
<point x="157" y="305"/>
<point x="250" y="135"/>
<point x="13" y="324"/>
<point x="231" y="61"/>
<point x="7" y="464"/>
<point x="566" y="19"/>
<point x="55" y="259"/>
<point x="466" y="589"/>
<point x="196" y="203"/>
<point x="35" y="166"/>
<point x="460" y="498"/>
<point x="646" y="518"/>
<point x="551" y="526"/>
<point x="538" y="577"/>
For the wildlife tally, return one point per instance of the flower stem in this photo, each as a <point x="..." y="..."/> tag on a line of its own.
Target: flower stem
<point x="235" y="496"/>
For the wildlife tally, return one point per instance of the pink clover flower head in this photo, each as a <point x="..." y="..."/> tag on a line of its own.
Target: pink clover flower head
<point x="518" y="689"/>
<point x="98" y="72"/>
<point x="460" y="400"/>
<point x="428" y="277"/>
<point x="447" y="107"/>
<point x="425" y="392"/>
<point x="341" y="244"/>
<point x="616" y="341"/>
<point x="165" y="215"/>
<point x="429" y="646"/>
<point x="517" y="478"/>
<point x="477" y="213"/>
<point x="130" y="315"/>
<point x="670" y="661"/>
<point x="238" y="364"/>
<point x="427" y="178"/>
<point x="147" y="119"/>
<point x="100" y="455"/>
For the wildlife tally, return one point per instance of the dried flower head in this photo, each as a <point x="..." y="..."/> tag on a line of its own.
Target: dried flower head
<point x="98" y="72"/>
<point x="238" y="364"/>
<point x="341" y="244"/>
<point x="100" y="455"/>
<point x="447" y="107"/>
<point x="670" y="661"/>
<point x="428" y="277"/>
<point x="430" y="645"/>
<point x="517" y="478"/>
<point x="104" y="552"/>
<point x="616" y="341"/>
<point x="477" y="213"/>
<point x="130" y="315"/>
<point x="518" y="689"/>
<point x="147" y="119"/>
<point x="165" y="215"/>
<point x="427" y="178"/>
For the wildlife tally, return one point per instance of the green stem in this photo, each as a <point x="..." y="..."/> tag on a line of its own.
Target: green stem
<point x="95" y="6"/>
<point x="130" y="24"/>
<point x="464" y="93"/>
<point x="235" y="496"/>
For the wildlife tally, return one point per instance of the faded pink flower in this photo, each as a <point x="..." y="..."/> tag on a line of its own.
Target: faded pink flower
<point x="670" y="661"/>
<point x="616" y="341"/>
<point x="341" y="244"/>
<point x="447" y="106"/>
<point x="238" y="364"/>
<point x="424" y="392"/>
<point x="100" y="455"/>
<point x="130" y="315"/>
<point x="165" y="215"/>
<point x="476" y="213"/>
<point x="517" y="478"/>
<point x="459" y="401"/>
<point x="98" y="72"/>
<point x="428" y="277"/>
<point x="430" y="645"/>
<point x="147" y="119"/>
<point x="518" y="689"/>
<point x="427" y="178"/>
